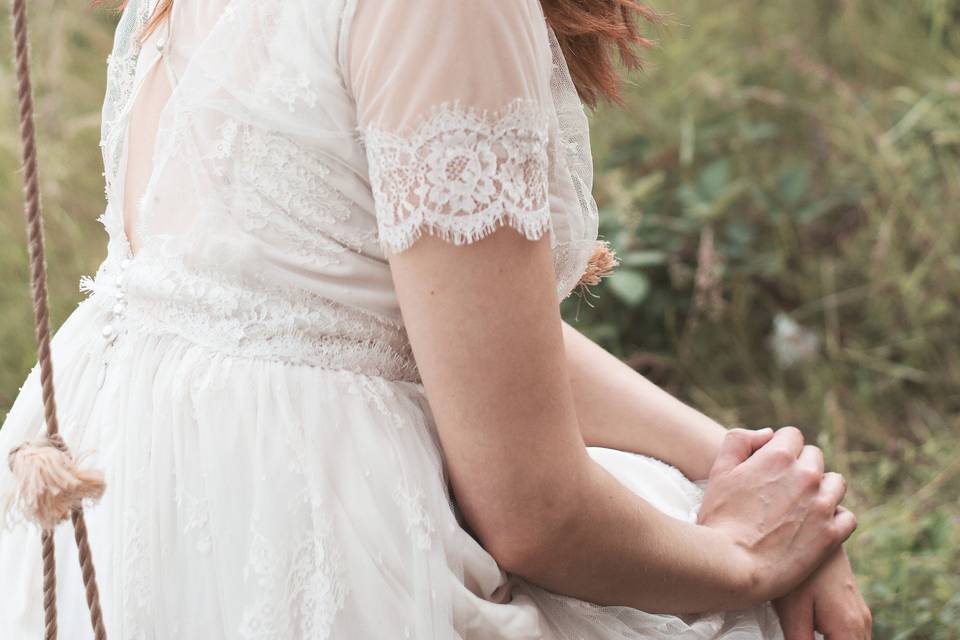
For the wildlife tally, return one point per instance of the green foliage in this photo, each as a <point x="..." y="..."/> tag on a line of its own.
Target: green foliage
<point x="69" y="47"/>
<point x="779" y="164"/>
<point x="798" y="164"/>
<point x="907" y="549"/>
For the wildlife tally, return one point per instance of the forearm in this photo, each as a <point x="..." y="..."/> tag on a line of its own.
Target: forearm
<point x="500" y="396"/>
<point x="620" y="409"/>
<point x="616" y="549"/>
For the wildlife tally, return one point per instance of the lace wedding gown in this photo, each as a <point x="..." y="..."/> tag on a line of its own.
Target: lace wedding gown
<point x="240" y="370"/>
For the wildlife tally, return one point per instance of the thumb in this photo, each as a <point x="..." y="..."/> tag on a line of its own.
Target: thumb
<point x="737" y="446"/>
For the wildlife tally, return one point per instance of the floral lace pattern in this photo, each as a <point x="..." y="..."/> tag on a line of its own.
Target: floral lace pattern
<point x="137" y="594"/>
<point x="283" y="193"/>
<point x="121" y="72"/>
<point x="253" y="317"/>
<point x="301" y="588"/>
<point x="460" y="174"/>
<point x="420" y="525"/>
<point x="290" y="87"/>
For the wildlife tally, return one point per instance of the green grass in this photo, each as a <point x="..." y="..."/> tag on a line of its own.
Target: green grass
<point x="797" y="160"/>
<point x="802" y="160"/>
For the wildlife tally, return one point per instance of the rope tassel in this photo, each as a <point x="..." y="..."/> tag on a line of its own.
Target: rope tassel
<point x="49" y="483"/>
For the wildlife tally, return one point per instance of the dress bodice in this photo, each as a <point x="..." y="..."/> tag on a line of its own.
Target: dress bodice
<point x="300" y="142"/>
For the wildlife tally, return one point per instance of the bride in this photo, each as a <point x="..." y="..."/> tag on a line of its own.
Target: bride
<point x="324" y="371"/>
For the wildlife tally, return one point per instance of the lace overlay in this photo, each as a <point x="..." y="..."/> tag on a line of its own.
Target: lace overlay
<point x="420" y="525"/>
<point x="301" y="588"/>
<point x="461" y="174"/>
<point x="282" y="193"/>
<point x="250" y="317"/>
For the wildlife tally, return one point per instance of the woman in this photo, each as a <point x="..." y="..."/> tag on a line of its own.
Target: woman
<point x="338" y="235"/>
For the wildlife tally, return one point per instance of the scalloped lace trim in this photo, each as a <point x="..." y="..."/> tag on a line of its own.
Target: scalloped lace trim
<point x="461" y="174"/>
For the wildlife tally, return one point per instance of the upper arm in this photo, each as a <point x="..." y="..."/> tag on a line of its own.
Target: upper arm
<point x="453" y="96"/>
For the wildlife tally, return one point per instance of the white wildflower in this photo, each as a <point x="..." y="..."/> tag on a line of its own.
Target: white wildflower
<point x="791" y="342"/>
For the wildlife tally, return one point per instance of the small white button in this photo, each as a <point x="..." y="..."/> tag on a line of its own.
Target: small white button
<point x="118" y="309"/>
<point x="160" y="44"/>
<point x="108" y="331"/>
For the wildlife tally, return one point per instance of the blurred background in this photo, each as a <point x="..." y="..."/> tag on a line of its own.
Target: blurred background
<point x="783" y="189"/>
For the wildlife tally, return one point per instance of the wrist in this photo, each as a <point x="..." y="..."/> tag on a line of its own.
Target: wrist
<point x="739" y="575"/>
<point x="710" y="440"/>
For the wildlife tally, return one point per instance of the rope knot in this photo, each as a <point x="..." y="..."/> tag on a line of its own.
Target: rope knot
<point x="49" y="484"/>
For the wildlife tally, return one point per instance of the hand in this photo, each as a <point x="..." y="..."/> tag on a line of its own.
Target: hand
<point x="829" y="601"/>
<point x="768" y="493"/>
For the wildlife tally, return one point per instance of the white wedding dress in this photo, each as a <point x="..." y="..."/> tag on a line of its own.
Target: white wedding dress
<point x="240" y="370"/>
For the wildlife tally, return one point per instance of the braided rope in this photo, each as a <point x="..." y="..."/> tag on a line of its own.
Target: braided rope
<point x="89" y="575"/>
<point x="38" y="278"/>
<point x="49" y="586"/>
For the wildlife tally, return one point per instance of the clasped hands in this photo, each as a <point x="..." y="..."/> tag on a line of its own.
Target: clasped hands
<point x="769" y="494"/>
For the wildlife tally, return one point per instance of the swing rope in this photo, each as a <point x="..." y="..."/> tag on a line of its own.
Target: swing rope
<point x="50" y="484"/>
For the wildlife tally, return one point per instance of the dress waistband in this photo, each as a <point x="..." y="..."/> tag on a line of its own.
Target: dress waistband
<point x="248" y="319"/>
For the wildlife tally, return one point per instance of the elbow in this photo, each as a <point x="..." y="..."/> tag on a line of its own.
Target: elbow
<point x="536" y="521"/>
<point x="520" y="557"/>
<point x="531" y="546"/>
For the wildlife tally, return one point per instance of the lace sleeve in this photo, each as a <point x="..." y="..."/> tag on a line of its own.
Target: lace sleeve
<point x="452" y="99"/>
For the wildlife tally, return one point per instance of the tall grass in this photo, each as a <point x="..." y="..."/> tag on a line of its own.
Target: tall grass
<point x="784" y="190"/>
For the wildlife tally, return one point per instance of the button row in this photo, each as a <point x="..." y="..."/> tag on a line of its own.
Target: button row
<point x="112" y="328"/>
<point x="110" y="331"/>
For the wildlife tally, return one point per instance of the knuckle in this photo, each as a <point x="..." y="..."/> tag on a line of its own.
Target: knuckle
<point x="841" y="529"/>
<point x="834" y="486"/>
<point x="836" y="477"/>
<point x="824" y="504"/>
<point x="814" y="450"/>
<point x="852" y="518"/>
<point x="809" y="477"/>
<point x="736" y="435"/>
<point x="781" y="456"/>
<point x="841" y="483"/>
<point x="857" y="623"/>
<point x="793" y="432"/>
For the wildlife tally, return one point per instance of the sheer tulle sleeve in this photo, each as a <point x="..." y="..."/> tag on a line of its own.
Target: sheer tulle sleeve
<point x="452" y="101"/>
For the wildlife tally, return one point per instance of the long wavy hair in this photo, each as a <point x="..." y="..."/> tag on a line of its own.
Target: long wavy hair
<point x="592" y="34"/>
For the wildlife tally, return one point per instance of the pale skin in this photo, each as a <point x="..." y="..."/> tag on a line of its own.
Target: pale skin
<point x="517" y="395"/>
<point x="620" y="409"/>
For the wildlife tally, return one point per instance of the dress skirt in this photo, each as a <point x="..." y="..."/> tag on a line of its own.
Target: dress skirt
<point x="254" y="499"/>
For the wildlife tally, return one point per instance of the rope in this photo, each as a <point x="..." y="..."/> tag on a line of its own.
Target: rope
<point x="38" y="278"/>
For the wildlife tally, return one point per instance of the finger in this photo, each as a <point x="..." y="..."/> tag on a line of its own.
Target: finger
<point x="737" y="446"/>
<point x="833" y="487"/>
<point x="788" y="438"/>
<point x="844" y="523"/>
<point x="811" y="457"/>
<point x="759" y="437"/>
<point x="796" y="619"/>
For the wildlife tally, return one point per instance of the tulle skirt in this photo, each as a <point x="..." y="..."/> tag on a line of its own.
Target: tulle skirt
<point x="253" y="499"/>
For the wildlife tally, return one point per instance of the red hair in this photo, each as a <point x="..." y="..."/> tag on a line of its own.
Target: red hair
<point x="589" y="32"/>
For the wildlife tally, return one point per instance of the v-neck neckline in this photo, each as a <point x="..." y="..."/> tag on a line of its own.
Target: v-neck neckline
<point x="117" y="194"/>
